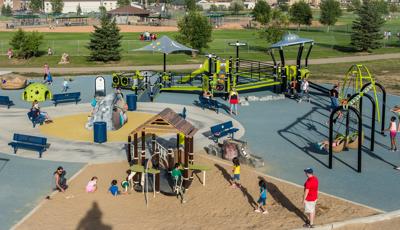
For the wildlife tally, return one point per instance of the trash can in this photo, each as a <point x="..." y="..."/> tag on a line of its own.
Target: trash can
<point x="131" y="100"/>
<point x="100" y="132"/>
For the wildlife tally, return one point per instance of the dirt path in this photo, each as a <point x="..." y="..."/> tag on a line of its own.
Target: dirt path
<point x="64" y="70"/>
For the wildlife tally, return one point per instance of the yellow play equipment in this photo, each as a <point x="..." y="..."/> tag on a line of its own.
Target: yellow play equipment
<point x="203" y="68"/>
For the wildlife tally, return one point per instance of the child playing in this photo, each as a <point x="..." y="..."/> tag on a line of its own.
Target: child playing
<point x="393" y="131"/>
<point x="177" y="177"/>
<point x="114" y="188"/>
<point x="263" y="197"/>
<point x="236" y="172"/>
<point x="131" y="174"/>
<point x="65" y="85"/>
<point x="92" y="185"/>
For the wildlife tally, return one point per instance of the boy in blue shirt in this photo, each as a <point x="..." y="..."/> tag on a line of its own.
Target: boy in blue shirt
<point x="114" y="188"/>
<point x="263" y="197"/>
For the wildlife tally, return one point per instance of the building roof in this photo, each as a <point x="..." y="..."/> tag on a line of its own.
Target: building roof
<point x="129" y="10"/>
<point x="167" y="121"/>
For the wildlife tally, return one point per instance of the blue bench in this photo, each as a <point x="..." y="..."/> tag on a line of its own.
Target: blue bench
<point x="36" y="120"/>
<point x="222" y="130"/>
<point x="66" y="97"/>
<point x="5" y="100"/>
<point x="208" y="103"/>
<point x="21" y="141"/>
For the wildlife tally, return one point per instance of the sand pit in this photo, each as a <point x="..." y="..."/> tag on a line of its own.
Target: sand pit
<point x="73" y="127"/>
<point x="215" y="206"/>
<point x="74" y="29"/>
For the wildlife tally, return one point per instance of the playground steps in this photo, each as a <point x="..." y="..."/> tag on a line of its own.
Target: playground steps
<point x="257" y="85"/>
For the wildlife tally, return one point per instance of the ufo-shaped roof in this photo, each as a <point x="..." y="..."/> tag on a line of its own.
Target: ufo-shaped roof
<point x="291" y="40"/>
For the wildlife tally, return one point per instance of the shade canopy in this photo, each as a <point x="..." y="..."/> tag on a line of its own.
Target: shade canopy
<point x="291" y="40"/>
<point x="165" y="45"/>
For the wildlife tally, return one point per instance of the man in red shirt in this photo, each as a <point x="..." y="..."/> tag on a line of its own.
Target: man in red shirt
<point x="310" y="196"/>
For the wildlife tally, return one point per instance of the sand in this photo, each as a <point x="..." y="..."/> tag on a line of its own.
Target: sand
<point x="72" y="127"/>
<point x="214" y="206"/>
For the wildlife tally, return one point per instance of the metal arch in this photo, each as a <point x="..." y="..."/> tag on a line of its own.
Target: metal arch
<point x="359" y="158"/>
<point x="383" y="111"/>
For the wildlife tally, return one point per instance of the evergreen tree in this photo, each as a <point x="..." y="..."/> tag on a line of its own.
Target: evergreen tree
<point x="393" y="8"/>
<point x="57" y="6"/>
<point x="195" y="30"/>
<point x="300" y="14"/>
<point x="78" y="10"/>
<point x="236" y="6"/>
<point x="262" y="12"/>
<point x="36" y="5"/>
<point x="123" y="3"/>
<point x="190" y="5"/>
<point x="213" y="8"/>
<point x="3" y="10"/>
<point x="330" y="12"/>
<point x="105" y="41"/>
<point x="8" y="12"/>
<point x="366" y="29"/>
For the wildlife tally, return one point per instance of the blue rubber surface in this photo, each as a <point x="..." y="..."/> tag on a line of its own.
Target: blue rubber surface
<point x="285" y="132"/>
<point x="24" y="183"/>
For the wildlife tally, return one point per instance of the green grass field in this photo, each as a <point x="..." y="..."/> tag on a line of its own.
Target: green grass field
<point x="328" y="44"/>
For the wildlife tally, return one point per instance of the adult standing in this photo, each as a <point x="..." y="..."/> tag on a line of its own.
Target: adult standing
<point x="233" y="101"/>
<point x="310" y="196"/>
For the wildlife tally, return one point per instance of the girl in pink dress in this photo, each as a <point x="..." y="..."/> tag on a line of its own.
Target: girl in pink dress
<point x="92" y="185"/>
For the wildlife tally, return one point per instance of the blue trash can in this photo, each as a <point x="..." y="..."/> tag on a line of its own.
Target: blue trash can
<point x="131" y="100"/>
<point x="100" y="132"/>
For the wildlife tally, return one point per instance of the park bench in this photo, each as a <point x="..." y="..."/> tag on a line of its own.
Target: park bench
<point x="21" y="141"/>
<point x="5" y="100"/>
<point x="35" y="119"/>
<point x="208" y="103"/>
<point x="222" y="130"/>
<point x="66" y="97"/>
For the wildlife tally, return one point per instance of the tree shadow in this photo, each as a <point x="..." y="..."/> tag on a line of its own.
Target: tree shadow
<point x="281" y="199"/>
<point x="92" y="220"/>
<point x="243" y="189"/>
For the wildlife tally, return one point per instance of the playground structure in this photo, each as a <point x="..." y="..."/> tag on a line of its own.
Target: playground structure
<point x="162" y="158"/>
<point x="353" y="103"/>
<point x="11" y="83"/>
<point x="131" y="81"/>
<point x="219" y="76"/>
<point x="36" y="91"/>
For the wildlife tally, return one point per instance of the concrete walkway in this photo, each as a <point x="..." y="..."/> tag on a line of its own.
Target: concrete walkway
<point x="76" y="151"/>
<point x="70" y="70"/>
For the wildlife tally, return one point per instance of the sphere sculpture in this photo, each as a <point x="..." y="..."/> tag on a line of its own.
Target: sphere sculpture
<point x="36" y="91"/>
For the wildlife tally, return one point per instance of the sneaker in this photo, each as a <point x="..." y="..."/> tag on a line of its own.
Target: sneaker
<point x="306" y="225"/>
<point x="265" y="212"/>
<point x="257" y="210"/>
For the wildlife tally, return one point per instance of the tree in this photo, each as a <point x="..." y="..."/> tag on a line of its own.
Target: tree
<point x="222" y="8"/>
<point x="278" y="26"/>
<point x="36" y="5"/>
<point x="330" y="12"/>
<point x="78" y="10"/>
<point x="284" y="7"/>
<point x="6" y="10"/>
<point x="393" y="8"/>
<point x="236" y="6"/>
<point x="262" y="12"/>
<point x="105" y="41"/>
<point x="195" y="30"/>
<point x="366" y="29"/>
<point x="213" y="8"/>
<point x="381" y="6"/>
<point x="190" y="5"/>
<point x="3" y="10"/>
<point x="26" y="45"/>
<point x="123" y="3"/>
<point x="354" y="5"/>
<point x="300" y="14"/>
<point x="57" y="6"/>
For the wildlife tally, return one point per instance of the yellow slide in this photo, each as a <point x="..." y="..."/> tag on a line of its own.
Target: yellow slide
<point x="203" y="68"/>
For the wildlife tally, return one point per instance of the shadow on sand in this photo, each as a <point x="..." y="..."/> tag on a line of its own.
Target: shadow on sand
<point x="92" y="220"/>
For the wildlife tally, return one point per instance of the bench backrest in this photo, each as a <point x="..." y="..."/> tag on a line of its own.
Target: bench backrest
<point x="4" y="99"/>
<point x="30" y="139"/>
<point x="63" y="96"/>
<point x="221" y="127"/>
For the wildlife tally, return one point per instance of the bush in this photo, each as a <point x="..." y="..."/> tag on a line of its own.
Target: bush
<point x="26" y="45"/>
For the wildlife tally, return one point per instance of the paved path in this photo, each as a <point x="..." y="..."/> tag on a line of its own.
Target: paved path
<point x="69" y="70"/>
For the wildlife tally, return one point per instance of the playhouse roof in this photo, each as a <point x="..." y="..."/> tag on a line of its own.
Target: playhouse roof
<point x="167" y="121"/>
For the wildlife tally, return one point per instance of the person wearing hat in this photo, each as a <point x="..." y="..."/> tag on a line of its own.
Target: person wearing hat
<point x="310" y="196"/>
